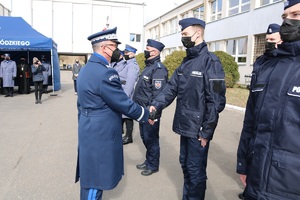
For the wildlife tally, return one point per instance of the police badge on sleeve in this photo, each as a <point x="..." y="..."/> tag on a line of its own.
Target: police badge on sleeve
<point x="157" y="84"/>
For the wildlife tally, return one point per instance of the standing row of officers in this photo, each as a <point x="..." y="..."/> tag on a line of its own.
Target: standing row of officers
<point x="20" y="74"/>
<point x="268" y="156"/>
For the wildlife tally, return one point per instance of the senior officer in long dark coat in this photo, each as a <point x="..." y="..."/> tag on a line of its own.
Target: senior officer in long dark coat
<point x="272" y="118"/>
<point x="198" y="83"/>
<point x="151" y="82"/>
<point x="8" y="73"/>
<point x="128" y="71"/>
<point x="101" y="103"/>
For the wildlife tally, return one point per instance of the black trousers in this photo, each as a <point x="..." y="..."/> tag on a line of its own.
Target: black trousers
<point x="75" y="85"/>
<point x="38" y="89"/>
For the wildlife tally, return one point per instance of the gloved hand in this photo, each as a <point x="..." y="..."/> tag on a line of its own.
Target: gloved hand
<point x="13" y="78"/>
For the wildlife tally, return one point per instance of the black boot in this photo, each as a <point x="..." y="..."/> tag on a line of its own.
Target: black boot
<point x="129" y="128"/>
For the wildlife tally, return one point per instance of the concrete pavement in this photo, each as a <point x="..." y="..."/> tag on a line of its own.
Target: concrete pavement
<point x="38" y="149"/>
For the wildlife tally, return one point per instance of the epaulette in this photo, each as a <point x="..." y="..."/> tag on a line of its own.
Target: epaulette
<point x="158" y="65"/>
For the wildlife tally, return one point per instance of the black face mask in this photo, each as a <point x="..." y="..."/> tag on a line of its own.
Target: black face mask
<point x="187" y="41"/>
<point x="147" y="54"/>
<point x="290" y="30"/>
<point x="126" y="57"/>
<point x="6" y="58"/>
<point x="270" y="46"/>
<point x="115" y="55"/>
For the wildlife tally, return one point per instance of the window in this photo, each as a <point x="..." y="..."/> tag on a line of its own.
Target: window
<point x="173" y="23"/>
<point x="238" y="49"/>
<point x="135" y="37"/>
<point x="164" y="29"/>
<point x="185" y="15"/>
<point x="259" y="46"/>
<point x="215" y="46"/>
<point x="199" y="12"/>
<point x="238" y="6"/>
<point x="265" y="2"/>
<point x="216" y="8"/>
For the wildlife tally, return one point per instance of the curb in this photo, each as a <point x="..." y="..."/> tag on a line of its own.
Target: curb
<point x="235" y="107"/>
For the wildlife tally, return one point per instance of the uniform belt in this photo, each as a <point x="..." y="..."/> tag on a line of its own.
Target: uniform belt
<point x="90" y="112"/>
<point x="123" y="82"/>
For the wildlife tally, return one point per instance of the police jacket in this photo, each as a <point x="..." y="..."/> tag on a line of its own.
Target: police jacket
<point x="128" y="72"/>
<point x="8" y="71"/>
<point x="37" y="73"/>
<point x="101" y="103"/>
<point x="151" y="82"/>
<point x="198" y="83"/>
<point x="272" y="117"/>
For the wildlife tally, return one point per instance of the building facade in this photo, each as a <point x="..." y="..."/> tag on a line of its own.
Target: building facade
<point x="70" y="22"/>
<point x="237" y="27"/>
<point x="4" y="11"/>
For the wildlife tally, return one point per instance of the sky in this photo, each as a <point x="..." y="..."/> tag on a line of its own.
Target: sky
<point x="153" y="8"/>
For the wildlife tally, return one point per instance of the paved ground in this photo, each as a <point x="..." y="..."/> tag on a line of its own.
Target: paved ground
<point x="38" y="153"/>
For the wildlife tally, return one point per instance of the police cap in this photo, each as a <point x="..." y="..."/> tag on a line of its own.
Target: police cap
<point x="155" y="44"/>
<point x="130" y="48"/>
<point x="184" y="23"/>
<point x="109" y="34"/>
<point x="273" y="28"/>
<point x="7" y="55"/>
<point x="290" y="3"/>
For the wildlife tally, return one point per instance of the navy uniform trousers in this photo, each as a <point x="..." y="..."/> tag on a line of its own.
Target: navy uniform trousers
<point x="150" y="136"/>
<point x="90" y="194"/>
<point x="193" y="160"/>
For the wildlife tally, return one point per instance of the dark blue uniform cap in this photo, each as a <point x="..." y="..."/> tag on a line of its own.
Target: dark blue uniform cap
<point x="290" y="3"/>
<point x="130" y="48"/>
<point x="158" y="45"/>
<point x="273" y="28"/>
<point x="109" y="34"/>
<point x="184" y="23"/>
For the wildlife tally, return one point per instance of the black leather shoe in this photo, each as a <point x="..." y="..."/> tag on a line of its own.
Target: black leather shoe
<point x="7" y="95"/>
<point x="142" y="166"/>
<point x="126" y="140"/>
<point x="241" y="195"/>
<point x="148" y="172"/>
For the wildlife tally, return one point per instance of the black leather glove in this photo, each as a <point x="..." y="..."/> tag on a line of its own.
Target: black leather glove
<point x="152" y="115"/>
<point x="13" y="78"/>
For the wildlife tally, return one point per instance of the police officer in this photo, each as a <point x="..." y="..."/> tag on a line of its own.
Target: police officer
<point x="272" y="117"/>
<point x="46" y="73"/>
<point x="8" y="73"/>
<point x="128" y="72"/>
<point x="151" y="82"/>
<point x="75" y="71"/>
<point x="245" y="155"/>
<point x="101" y="102"/>
<point x="198" y="83"/>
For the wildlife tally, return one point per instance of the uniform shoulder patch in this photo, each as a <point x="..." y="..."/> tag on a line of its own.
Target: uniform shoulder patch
<point x="113" y="76"/>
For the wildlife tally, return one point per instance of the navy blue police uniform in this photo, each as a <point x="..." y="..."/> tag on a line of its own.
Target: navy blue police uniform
<point x="262" y="68"/>
<point x="150" y="83"/>
<point x="101" y="103"/>
<point x="128" y="71"/>
<point x="198" y="83"/>
<point x="272" y="118"/>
